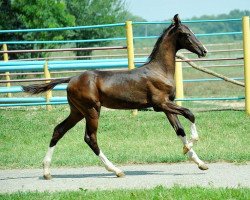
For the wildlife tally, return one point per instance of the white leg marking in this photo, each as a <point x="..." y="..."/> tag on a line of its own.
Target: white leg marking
<point x="193" y="156"/>
<point x="187" y="149"/>
<point x="187" y="145"/>
<point x="194" y="134"/>
<point x="109" y="165"/>
<point x="47" y="160"/>
<point x="184" y="140"/>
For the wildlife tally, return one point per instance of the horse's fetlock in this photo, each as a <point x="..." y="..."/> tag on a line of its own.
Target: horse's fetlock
<point x="186" y="148"/>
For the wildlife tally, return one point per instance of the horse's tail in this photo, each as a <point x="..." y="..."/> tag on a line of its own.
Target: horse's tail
<point x="40" y="88"/>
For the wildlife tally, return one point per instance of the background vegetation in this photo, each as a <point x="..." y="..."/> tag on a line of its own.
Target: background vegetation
<point x="23" y="14"/>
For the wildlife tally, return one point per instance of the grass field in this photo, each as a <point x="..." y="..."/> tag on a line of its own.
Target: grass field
<point x="146" y="138"/>
<point x="158" y="193"/>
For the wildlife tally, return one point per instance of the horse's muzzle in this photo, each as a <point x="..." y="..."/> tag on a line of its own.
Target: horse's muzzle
<point x="203" y="53"/>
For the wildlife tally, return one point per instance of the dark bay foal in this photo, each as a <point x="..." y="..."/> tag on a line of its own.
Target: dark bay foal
<point x="151" y="85"/>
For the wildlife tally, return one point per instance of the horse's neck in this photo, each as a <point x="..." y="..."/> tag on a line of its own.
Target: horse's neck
<point x="162" y="58"/>
<point x="164" y="62"/>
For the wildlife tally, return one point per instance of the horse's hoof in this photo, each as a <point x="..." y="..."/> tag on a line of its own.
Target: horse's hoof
<point x="186" y="149"/>
<point x="203" y="167"/>
<point x="120" y="175"/>
<point x="47" y="177"/>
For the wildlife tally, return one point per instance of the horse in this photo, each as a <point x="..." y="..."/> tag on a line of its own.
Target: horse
<point x="151" y="85"/>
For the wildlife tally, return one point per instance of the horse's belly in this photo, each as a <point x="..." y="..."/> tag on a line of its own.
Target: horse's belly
<point x="125" y="101"/>
<point x="125" y="105"/>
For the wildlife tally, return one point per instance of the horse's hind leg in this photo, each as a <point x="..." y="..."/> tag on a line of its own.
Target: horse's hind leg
<point x="187" y="149"/>
<point x="91" y="139"/>
<point x="59" y="131"/>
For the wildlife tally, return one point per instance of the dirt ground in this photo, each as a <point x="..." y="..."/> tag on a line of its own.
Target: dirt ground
<point x="137" y="176"/>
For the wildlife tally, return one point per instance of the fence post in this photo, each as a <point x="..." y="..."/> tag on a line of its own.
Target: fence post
<point x="7" y="74"/>
<point x="246" y="49"/>
<point x="48" y="93"/>
<point x="130" y="50"/>
<point x="179" y="81"/>
<point x="130" y="45"/>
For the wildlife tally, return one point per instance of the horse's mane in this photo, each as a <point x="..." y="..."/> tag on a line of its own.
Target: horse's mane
<point x="158" y="42"/>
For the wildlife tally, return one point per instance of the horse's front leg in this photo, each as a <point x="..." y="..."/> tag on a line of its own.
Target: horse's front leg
<point x="172" y="108"/>
<point x="187" y="149"/>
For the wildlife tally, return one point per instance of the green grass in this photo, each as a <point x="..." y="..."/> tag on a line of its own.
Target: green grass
<point x="147" y="138"/>
<point x="159" y="192"/>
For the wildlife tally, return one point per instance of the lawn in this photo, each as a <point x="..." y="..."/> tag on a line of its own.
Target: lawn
<point x="146" y="138"/>
<point x="158" y="193"/>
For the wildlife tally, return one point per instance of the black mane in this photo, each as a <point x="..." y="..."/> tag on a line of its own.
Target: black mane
<point x="157" y="44"/>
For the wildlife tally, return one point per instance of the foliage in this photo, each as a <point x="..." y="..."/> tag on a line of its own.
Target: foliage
<point x="9" y="21"/>
<point x="40" y="14"/>
<point x="8" y="18"/>
<point x="88" y="12"/>
<point x="21" y="14"/>
<point x="51" y="14"/>
<point x="138" y="30"/>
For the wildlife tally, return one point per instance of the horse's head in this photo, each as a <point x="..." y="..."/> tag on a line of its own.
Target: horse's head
<point x="186" y="38"/>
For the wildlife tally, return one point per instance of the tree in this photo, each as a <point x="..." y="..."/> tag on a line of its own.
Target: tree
<point x="21" y="14"/>
<point x="90" y="12"/>
<point x="44" y="14"/>
<point x="8" y="20"/>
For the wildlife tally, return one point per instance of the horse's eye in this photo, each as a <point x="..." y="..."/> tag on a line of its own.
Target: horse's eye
<point x="188" y="34"/>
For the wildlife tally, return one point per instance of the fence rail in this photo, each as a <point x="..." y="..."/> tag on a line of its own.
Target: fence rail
<point x="61" y="50"/>
<point x="19" y="67"/>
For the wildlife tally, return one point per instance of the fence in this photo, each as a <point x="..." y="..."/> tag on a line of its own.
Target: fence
<point x="9" y="68"/>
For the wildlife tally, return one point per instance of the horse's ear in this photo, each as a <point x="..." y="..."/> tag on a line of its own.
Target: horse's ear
<point x="176" y="20"/>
